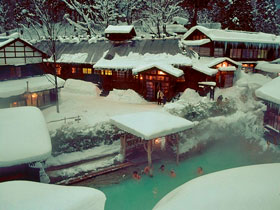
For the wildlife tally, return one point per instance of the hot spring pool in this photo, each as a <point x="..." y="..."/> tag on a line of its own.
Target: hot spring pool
<point x="144" y="194"/>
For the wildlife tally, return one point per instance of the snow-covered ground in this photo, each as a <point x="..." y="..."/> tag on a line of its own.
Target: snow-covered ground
<point x="239" y="113"/>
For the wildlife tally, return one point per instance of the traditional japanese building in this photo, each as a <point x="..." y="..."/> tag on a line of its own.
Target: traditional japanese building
<point x="270" y="94"/>
<point x="120" y="33"/>
<point x="22" y="75"/>
<point x="246" y="47"/>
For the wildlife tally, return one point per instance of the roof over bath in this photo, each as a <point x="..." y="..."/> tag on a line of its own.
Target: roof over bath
<point x="150" y="125"/>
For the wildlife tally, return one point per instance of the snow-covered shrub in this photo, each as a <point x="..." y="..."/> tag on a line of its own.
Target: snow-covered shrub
<point x="68" y="139"/>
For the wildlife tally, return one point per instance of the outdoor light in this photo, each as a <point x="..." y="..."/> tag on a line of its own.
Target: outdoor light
<point x="34" y="95"/>
<point x="157" y="141"/>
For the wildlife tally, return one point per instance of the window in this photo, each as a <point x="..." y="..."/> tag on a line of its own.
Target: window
<point x="202" y="51"/>
<point x="108" y="72"/>
<point x="87" y="70"/>
<point x="161" y="73"/>
<point x="120" y="74"/>
<point x="218" y="52"/>
<point x="58" y="69"/>
<point x="74" y="70"/>
<point x="199" y="37"/>
<point x="235" y="53"/>
<point x="262" y="54"/>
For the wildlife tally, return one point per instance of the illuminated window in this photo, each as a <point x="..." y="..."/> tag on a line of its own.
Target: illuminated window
<point x="262" y="54"/>
<point x="74" y="70"/>
<point x="58" y="70"/>
<point x="87" y="71"/>
<point x="136" y="76"/>
<point x="108" y="72"/>
<point x="161" y="73"/>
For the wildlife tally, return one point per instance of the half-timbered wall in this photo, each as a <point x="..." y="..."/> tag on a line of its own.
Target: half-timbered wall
<point x="18" y="53"/>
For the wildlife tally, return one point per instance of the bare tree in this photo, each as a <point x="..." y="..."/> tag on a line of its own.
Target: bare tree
<point x="46" y="20"/>
<point x="91" y="16"/>
<point x="158" y="13"/>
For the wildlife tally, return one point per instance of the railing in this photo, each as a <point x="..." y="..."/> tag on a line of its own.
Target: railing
<point x="77" y="119"/>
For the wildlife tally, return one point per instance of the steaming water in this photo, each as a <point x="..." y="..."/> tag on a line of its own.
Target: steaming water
<point x="224" y="154"/>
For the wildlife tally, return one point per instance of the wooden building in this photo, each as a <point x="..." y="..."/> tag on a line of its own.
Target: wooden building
<point x="270" y="94"/>
<point x="246" y="47"/>
<point x="22" y="75"/>
<point x="120" y="33"/>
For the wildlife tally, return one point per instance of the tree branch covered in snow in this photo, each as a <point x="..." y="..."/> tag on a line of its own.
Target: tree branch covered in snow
<point x="158" y="13"/>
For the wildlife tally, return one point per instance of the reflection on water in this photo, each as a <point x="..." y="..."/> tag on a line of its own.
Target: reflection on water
<point x="144" y="194"/>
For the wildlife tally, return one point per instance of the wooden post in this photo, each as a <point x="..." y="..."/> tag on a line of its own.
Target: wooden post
<point x="178" y="149"/>
<point x="123" y="146"/>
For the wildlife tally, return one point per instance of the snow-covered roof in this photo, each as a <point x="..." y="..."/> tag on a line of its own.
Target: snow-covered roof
<point x="227" y="68"/>
<point x="16" y="87"/>
<point x="135" y="60"/>
<point x="235" y="36"/>
<point x="167" y="68"/>
<point x="268" y="67"/>
<point x="210" y="61"/>
<point x="125" y="29"/>
<point x="251" y="187"/>
<point x="23" y="195"/>
<point x="204" y="69"/>
<point x="150" y="125"/>
<point x="181" y="20"/>
<point x="24" y="136"/>
<point x="276" y="61"/>
<point x="97" y="50"/>
<point x="270" y="91"/>
<point x="5" y="40"/>
<point x="175" y="28"/>
<point x="207" y="83"/>
<point x="72" y="58"/>
<point x="196" y="42"/>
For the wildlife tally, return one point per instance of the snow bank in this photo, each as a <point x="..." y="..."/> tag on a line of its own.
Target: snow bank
<point x="80" y="87"/>
<point x="126" y="96"/>
<point x="26" y="195"/>
<point x="251" y="187"/>
<point x="24" y="137"/>
<point x="253" y="81"/>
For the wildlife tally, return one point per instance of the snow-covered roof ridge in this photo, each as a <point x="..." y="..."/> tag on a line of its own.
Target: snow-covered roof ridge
<point x="10" y="88"/>
<point x="245" y="187"/>
<point x="167" y="68"/>
<point x="150" y="125"/>
<point x="270" y="91"/>
<point x="235" y="36"/>
<point x="216" y="61"/>
<point x="268" y="67"/>
<point x="201" y="67"/>
<point x="33" y="196"/>
<point x="119" y="29"/>
<point x="24" y="136"/>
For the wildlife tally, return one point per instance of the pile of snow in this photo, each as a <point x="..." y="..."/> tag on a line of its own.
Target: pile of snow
<point x="24" y="137"/>
<point x="252" y="81"/>
<point x="126" y="96"/>
<point x="189" y="97"/>
<point x="251" y="187"/>
<point x="19" y="195"/>
<point x="75" y="86"/>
